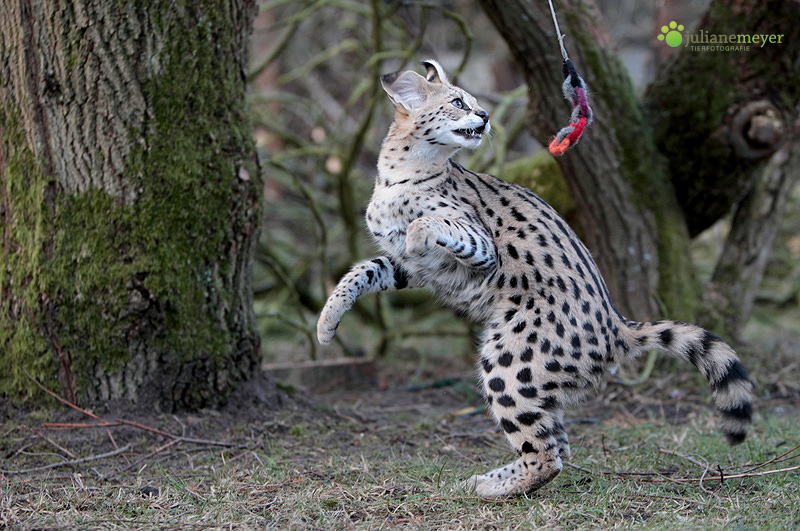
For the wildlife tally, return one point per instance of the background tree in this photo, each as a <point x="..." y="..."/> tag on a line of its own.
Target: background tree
<point x="662" y="168"/>
<point x="129" y="200"/>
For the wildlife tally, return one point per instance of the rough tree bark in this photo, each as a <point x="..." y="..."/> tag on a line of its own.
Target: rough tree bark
<point x="653" y="172"/>
<point x="129" y="201"/>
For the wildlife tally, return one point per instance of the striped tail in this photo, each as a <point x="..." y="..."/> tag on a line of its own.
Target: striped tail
<point x="730" y="386"/>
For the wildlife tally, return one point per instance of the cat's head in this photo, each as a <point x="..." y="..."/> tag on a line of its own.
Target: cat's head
<point x="435" y="111"/>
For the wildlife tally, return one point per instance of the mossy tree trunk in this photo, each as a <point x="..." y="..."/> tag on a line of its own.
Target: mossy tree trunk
<point x="129" y="201"/>
<point x="635" y="177"/>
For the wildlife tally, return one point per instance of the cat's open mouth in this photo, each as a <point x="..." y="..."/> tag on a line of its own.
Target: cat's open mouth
<point x="470" y="133"/>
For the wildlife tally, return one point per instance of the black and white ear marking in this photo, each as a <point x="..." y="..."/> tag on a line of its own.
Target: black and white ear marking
<point x="405" y="89"/>
<point x="435" y="72"/>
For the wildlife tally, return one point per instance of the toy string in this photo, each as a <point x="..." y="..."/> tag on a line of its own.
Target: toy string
<point x="574" y="89"/>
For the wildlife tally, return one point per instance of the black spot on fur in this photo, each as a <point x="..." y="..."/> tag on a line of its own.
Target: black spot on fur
<point x="512" y="251"/>
<point x="561" y="284"/>
<point x="692" y="354"/>
<point x="527" y="355"/>
<point x="508" y="426"/>
<point x="528" y="391"/>
<point x="743" y="413"/>
<point x="529" y="417"/>
<point x="549" y="403"/>
<point x="553" y="366"/>
<point x="497" y="385"/>
<point x="528" y="258"/>
<point x="524" y="375"/>
<point x="506" y="401"/>
<point x="527" y="448"/>
<point x="665" y="337"/>
<point x="518" y="215"/>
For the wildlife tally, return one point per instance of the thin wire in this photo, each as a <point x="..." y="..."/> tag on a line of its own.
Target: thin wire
<point x="558" y="31"/>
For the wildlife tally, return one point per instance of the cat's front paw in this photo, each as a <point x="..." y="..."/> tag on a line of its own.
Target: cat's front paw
<point x="419" y="237"/>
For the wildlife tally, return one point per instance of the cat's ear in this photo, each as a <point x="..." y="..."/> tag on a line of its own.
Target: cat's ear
<point x="405" y="89"/>
<point x="434" y="72"/>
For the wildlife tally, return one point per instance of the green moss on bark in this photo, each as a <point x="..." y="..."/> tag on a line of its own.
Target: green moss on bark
<point x="22" y="276"/>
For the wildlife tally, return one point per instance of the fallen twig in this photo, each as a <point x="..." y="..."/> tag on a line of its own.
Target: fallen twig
<point x="60" y="399"/>
<point x="179" y="437"/>
<point x="69" y="463"/>
<point x="704" y="466"/>
<point x="55" y="444"/>
<point x="74" y="425"/>
<point x="726" y="476"/>
<point x="774" y="459"/>
<point x="102" y="423"/>
<point x="665" y="477"/>
<point x="158" y="450"/>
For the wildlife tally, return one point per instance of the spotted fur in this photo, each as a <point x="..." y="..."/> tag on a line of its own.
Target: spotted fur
<point x="500" y="255"/>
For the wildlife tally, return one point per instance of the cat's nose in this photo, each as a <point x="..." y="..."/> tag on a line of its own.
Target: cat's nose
<point x="483" y="115"/>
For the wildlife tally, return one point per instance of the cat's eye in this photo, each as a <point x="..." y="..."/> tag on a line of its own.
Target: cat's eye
<point x="458" y="103"/>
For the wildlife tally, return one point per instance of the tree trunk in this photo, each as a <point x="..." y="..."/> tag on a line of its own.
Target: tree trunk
<point x="129" y="201"/>
<point x="626" y="205"/>
<point x="645" y="181"/>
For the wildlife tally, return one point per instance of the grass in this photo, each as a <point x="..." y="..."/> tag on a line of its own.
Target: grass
<point x="398" y="460"/>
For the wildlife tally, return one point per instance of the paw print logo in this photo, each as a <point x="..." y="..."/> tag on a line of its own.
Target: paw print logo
<point x="672" y="34"/>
